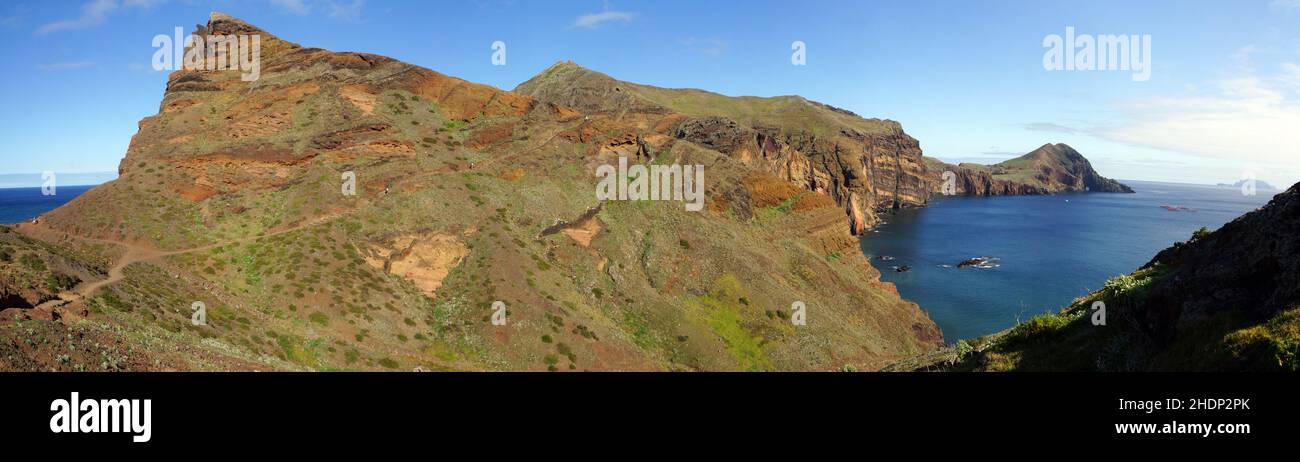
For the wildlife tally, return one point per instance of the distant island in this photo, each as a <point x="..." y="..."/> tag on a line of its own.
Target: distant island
<point x="1258" y="185"/>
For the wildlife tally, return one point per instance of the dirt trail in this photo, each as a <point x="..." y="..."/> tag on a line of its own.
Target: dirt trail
<point x="136" y="253"/>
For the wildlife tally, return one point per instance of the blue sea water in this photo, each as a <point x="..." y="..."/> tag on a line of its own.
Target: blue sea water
<point x="21" y="204"/>
<point x="1049" y="249"/>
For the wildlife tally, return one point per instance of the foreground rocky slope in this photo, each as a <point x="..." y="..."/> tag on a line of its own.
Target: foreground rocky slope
<point x="231" y="199"/>
<point x="1050" y="169"/>
<point x="1227" y="300"/>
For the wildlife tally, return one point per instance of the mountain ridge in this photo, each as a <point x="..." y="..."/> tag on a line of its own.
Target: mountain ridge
<point x="864" y="165"/>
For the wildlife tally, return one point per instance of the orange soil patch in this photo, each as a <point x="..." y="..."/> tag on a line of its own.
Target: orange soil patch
<point x="425" y="260"/>
<point x="626" y="145"/>
<point x="668" y="123"/>
<point x="593" y="128"/>
<point x="462" y="100"/>
<point x="180" y="104"/>
<point x="386" y="148"/>
<point x="194" y="192"/>
<point x="488" y="136"/>
<point x="584" y="231"/>
<point x="513" y="174"/>
<point x="766" y="190"/>
<point x="261" y="125"/>
<point x="359" y="96"/>
<point x="300" y="90"/>
<point x="562" y="113"/>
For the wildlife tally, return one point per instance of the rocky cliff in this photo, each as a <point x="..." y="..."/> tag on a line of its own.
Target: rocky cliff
<point x="1050" y="169"/>
<point x="864" y="165"/>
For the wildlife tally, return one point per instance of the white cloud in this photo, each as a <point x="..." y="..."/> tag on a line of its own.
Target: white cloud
<point x="142" y="4"/>
<point x="1289" y="5"/>
<point x="19" y="13"/>
<point x="1248" y="119"/>
<point x="1048" y="127"/>
<point x="349" y="11"/>
<point x="65" y="66"/>
<point x="706" y="46"/>
<point x="95" y="13"/>
<point x="293" y="6"/>
<point x="1291" y="76"/>
<point x="337" y="9"/>
<point x="594" y="20"/>
<point x="92" y="14"/>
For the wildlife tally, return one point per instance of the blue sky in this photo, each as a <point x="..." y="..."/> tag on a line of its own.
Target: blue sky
<point x="966" y="78"/>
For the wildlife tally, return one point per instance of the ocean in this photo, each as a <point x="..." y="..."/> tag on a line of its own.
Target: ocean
<point x="1046" y="250"/>
<point x="21" y="204"/>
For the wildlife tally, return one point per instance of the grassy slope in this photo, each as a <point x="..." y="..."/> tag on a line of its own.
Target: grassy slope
<point x="790" y="112"/>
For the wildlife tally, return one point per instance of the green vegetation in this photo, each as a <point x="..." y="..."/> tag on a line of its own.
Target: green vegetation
<point x="724" y="319"/>
<point x="319" y="318"/>
<point x="1276" y="343"/>
<point x="32" y="262"/>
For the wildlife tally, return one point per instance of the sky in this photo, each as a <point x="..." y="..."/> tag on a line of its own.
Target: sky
<point x="965" y="78"/>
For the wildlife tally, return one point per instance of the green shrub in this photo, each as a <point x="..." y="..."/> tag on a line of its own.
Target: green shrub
<point x="32" y="261"/>
<point x="319" y="318"/>
<point x="59" y="282"/>
<point x="1038" y="328"/>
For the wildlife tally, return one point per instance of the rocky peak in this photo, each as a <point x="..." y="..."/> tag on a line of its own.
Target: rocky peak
<point x="1050" y="169"/>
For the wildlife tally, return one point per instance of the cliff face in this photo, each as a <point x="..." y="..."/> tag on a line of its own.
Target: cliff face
<point x="975" y="181"/>
<point x="1050" y="169"/>
<point x="863" y="173"/>
<point x="1227" y="300"/>
<point x="1251" y="265"/>
<point x="864" y="165"/>
<point x="350" y="211"/>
